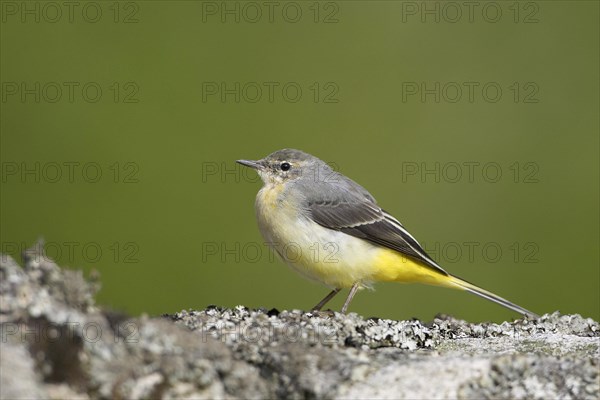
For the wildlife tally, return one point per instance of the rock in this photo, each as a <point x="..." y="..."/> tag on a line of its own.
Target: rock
<point x="18" y="377"/>
<point x="56" y="343"/>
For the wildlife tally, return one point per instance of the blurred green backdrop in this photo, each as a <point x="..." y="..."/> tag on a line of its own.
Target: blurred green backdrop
<point x="477" y="127"/>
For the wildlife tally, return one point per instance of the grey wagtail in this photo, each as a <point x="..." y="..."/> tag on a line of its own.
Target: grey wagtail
<point x="331" y="230"/>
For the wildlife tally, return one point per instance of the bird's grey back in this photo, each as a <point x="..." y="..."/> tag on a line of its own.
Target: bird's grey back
<point x="319" y="182"/>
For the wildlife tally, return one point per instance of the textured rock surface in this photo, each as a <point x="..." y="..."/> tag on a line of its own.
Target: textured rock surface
<point x="57" y="344"/>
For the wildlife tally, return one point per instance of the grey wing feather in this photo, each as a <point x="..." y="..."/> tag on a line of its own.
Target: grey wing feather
<point x="353" y="210"/>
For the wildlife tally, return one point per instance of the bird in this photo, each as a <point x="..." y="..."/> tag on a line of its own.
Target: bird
<point x="331" y="230"/>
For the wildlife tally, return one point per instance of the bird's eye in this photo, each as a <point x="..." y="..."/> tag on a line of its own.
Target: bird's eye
<point x="285" y="166"/>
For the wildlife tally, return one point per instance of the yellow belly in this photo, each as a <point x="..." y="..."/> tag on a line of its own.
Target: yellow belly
<point x="393" y="266"/>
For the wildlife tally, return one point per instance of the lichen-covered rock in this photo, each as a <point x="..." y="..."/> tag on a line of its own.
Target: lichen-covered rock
<point x="334" y="355"/>
<point x="56" y="343"/>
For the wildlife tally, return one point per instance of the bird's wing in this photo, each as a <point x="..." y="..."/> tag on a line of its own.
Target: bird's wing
<point x="358" y="215"/>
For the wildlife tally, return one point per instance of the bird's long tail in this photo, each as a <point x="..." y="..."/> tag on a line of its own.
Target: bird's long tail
<point x="469" y="287"/>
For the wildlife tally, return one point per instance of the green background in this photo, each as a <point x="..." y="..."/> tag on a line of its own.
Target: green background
<point x="170" y="192"/>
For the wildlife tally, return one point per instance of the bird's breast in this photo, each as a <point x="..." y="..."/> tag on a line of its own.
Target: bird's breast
<point x="275" y="213"/>
<point x="321" y="254"/>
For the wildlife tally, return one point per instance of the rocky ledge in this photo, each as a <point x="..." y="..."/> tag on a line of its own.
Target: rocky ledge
<point x="56" y="343"/>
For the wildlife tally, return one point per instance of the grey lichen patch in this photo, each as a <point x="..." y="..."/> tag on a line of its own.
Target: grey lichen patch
<point x="242" y="327"/>
<point x="520" y="376"/>
<point x="253" y="330"/>
<point x="58" y="344"/>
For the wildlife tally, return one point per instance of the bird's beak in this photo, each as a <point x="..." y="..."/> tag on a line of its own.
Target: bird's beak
<point x="250" y="163"/>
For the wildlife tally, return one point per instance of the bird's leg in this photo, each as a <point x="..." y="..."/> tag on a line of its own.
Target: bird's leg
<point x="349" y="298"/>
<point x="326" y="299"/>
